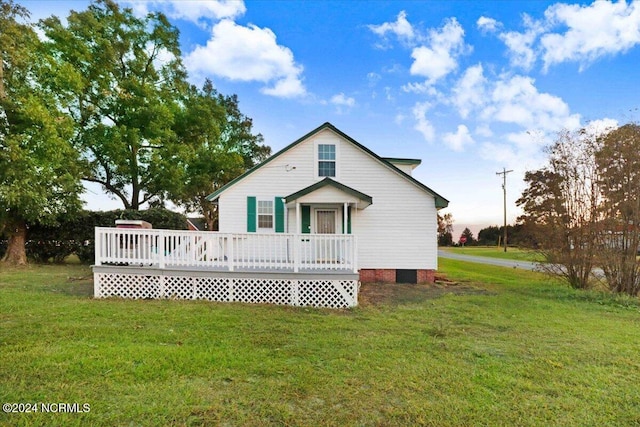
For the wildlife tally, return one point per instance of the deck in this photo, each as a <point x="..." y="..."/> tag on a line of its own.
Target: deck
<point x="296" y="269"/>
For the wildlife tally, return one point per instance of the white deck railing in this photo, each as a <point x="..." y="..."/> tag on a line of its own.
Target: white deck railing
<point x="226" y="251"/>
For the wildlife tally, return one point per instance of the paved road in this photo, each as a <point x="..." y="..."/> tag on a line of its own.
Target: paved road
<point x="487" y="260"/>
<point x="526" y="265"/>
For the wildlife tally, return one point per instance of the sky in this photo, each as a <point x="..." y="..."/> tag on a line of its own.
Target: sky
<point x="470" y="87"/>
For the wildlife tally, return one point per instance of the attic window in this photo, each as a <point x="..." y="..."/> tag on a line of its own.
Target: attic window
<point x="326" y="160"/>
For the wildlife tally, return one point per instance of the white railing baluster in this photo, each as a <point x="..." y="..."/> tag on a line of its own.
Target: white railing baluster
<point x="161" y="250"/>
<point x="189" y="249"/>
<point x="231" y="254"/>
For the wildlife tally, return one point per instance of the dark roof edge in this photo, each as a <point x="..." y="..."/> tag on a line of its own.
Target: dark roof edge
<point x="402" y="161"/>
<point x="332" y="183"/>
<point x="220" y="190"/>
<point x="441" y="202"/>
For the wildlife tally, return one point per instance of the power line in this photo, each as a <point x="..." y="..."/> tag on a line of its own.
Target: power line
<point x="504" y="189"/>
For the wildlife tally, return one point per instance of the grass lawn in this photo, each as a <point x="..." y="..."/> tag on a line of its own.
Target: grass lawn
<point x="494" y="346"/>
<point x="497" y="252"/>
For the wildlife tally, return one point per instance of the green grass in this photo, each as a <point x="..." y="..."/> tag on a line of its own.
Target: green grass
<point x="497" y="252"/>
<point x="502" y="347"/>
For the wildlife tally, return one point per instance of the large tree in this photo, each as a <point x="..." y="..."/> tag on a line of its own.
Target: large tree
<point x="618" y="159"/>
<point x="223" y="146"/>
<point x="122" y="80"/>
<point x="39" y="168"/>
<point x="561" y="208"/>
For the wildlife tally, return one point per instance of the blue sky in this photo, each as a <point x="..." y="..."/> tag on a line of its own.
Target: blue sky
<point x="468" y="87"/>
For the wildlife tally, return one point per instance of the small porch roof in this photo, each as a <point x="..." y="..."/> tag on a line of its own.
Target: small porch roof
<point x="319" y="189"/>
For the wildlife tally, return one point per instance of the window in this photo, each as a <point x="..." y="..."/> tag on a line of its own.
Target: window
<point x="326" y="160"/>
<point x="265" y="214"/>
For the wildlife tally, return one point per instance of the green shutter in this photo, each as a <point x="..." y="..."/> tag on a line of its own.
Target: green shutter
<point x="348" y="219"/>
<point x="251" y="214"/>
<point x="306" y="220"/>
<point x="279" y="208"/>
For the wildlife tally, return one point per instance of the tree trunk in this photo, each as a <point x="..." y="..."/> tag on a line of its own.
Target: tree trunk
<point x="16" y="253"/>
<point x="210" y="214"/>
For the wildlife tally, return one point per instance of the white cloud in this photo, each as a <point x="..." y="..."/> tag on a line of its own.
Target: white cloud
<point x="341" y="100"/>
<point x="458" y="140"/>
<point x="521" y="45"/>
<point x="424" y="88"/>
<point x="401" y="28"/>
<point x="520" y="151"/>
<point x="440" y="56"/>
<point x="601" y="126"/>
<point x="288" y="87"/>
<point x="373" y="78"/>
<point x="600" y="29"/>
<point x="423" y="125"/>
<point x="248" y="54"/>
<point x="487" y="25"/>
<point x="484" y="130"/>
<point x="399" y="119"/>
<point x="193" y="10"/>
<point x="574" y="33"/>
<point x="469" y="92"/>
<point x="511" y="100"/>
<point x="388" y="92"/>
<point x="516" y="100"/>
<point x="499" y="153"/>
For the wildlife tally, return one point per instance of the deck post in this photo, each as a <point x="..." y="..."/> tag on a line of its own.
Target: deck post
<point x="230" y="251"/>
<point x="98" y="247"/>
<point x="354" y="253"/>
<point x="345" y="218"/>
<point x="161" y="249"/>
<point x="296" y="239"/>
<point x="296" y="253"/>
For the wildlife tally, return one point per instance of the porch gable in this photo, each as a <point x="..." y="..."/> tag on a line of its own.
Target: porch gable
<point x="343" y="194"/>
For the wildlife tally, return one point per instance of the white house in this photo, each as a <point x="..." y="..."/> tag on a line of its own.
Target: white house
<point x="328" y="183"/>
<point x="304" y="228"/>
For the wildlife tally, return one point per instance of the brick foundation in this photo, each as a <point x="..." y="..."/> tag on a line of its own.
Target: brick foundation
<point x="388" y="275"/>
<point x="426" y="276"/>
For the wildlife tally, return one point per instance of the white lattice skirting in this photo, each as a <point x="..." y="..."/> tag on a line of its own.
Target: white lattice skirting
<point x="329" y="292"/>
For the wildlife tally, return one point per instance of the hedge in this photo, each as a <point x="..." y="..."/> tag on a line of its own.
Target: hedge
<point x="76" y="235"/>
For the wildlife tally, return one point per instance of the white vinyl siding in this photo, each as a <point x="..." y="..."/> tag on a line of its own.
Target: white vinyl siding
<point x="399" y="230"/>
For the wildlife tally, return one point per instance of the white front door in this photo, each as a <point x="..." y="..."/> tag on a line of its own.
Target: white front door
<point x="326" y="221"/>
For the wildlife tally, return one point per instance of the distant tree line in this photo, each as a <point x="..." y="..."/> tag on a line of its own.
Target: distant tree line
<point x="518" y="235"/>
<point x="103" y="97"/>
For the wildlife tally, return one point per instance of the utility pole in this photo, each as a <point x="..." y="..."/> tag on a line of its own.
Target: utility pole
<point x="504" y="190"/>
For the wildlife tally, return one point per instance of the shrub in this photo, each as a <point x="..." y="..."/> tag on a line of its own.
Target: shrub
<point x="76" y="235"/>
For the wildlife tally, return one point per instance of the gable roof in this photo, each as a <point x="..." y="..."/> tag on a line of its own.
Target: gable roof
<point x="441" y="202"/>
<point x="328" y="182"/>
